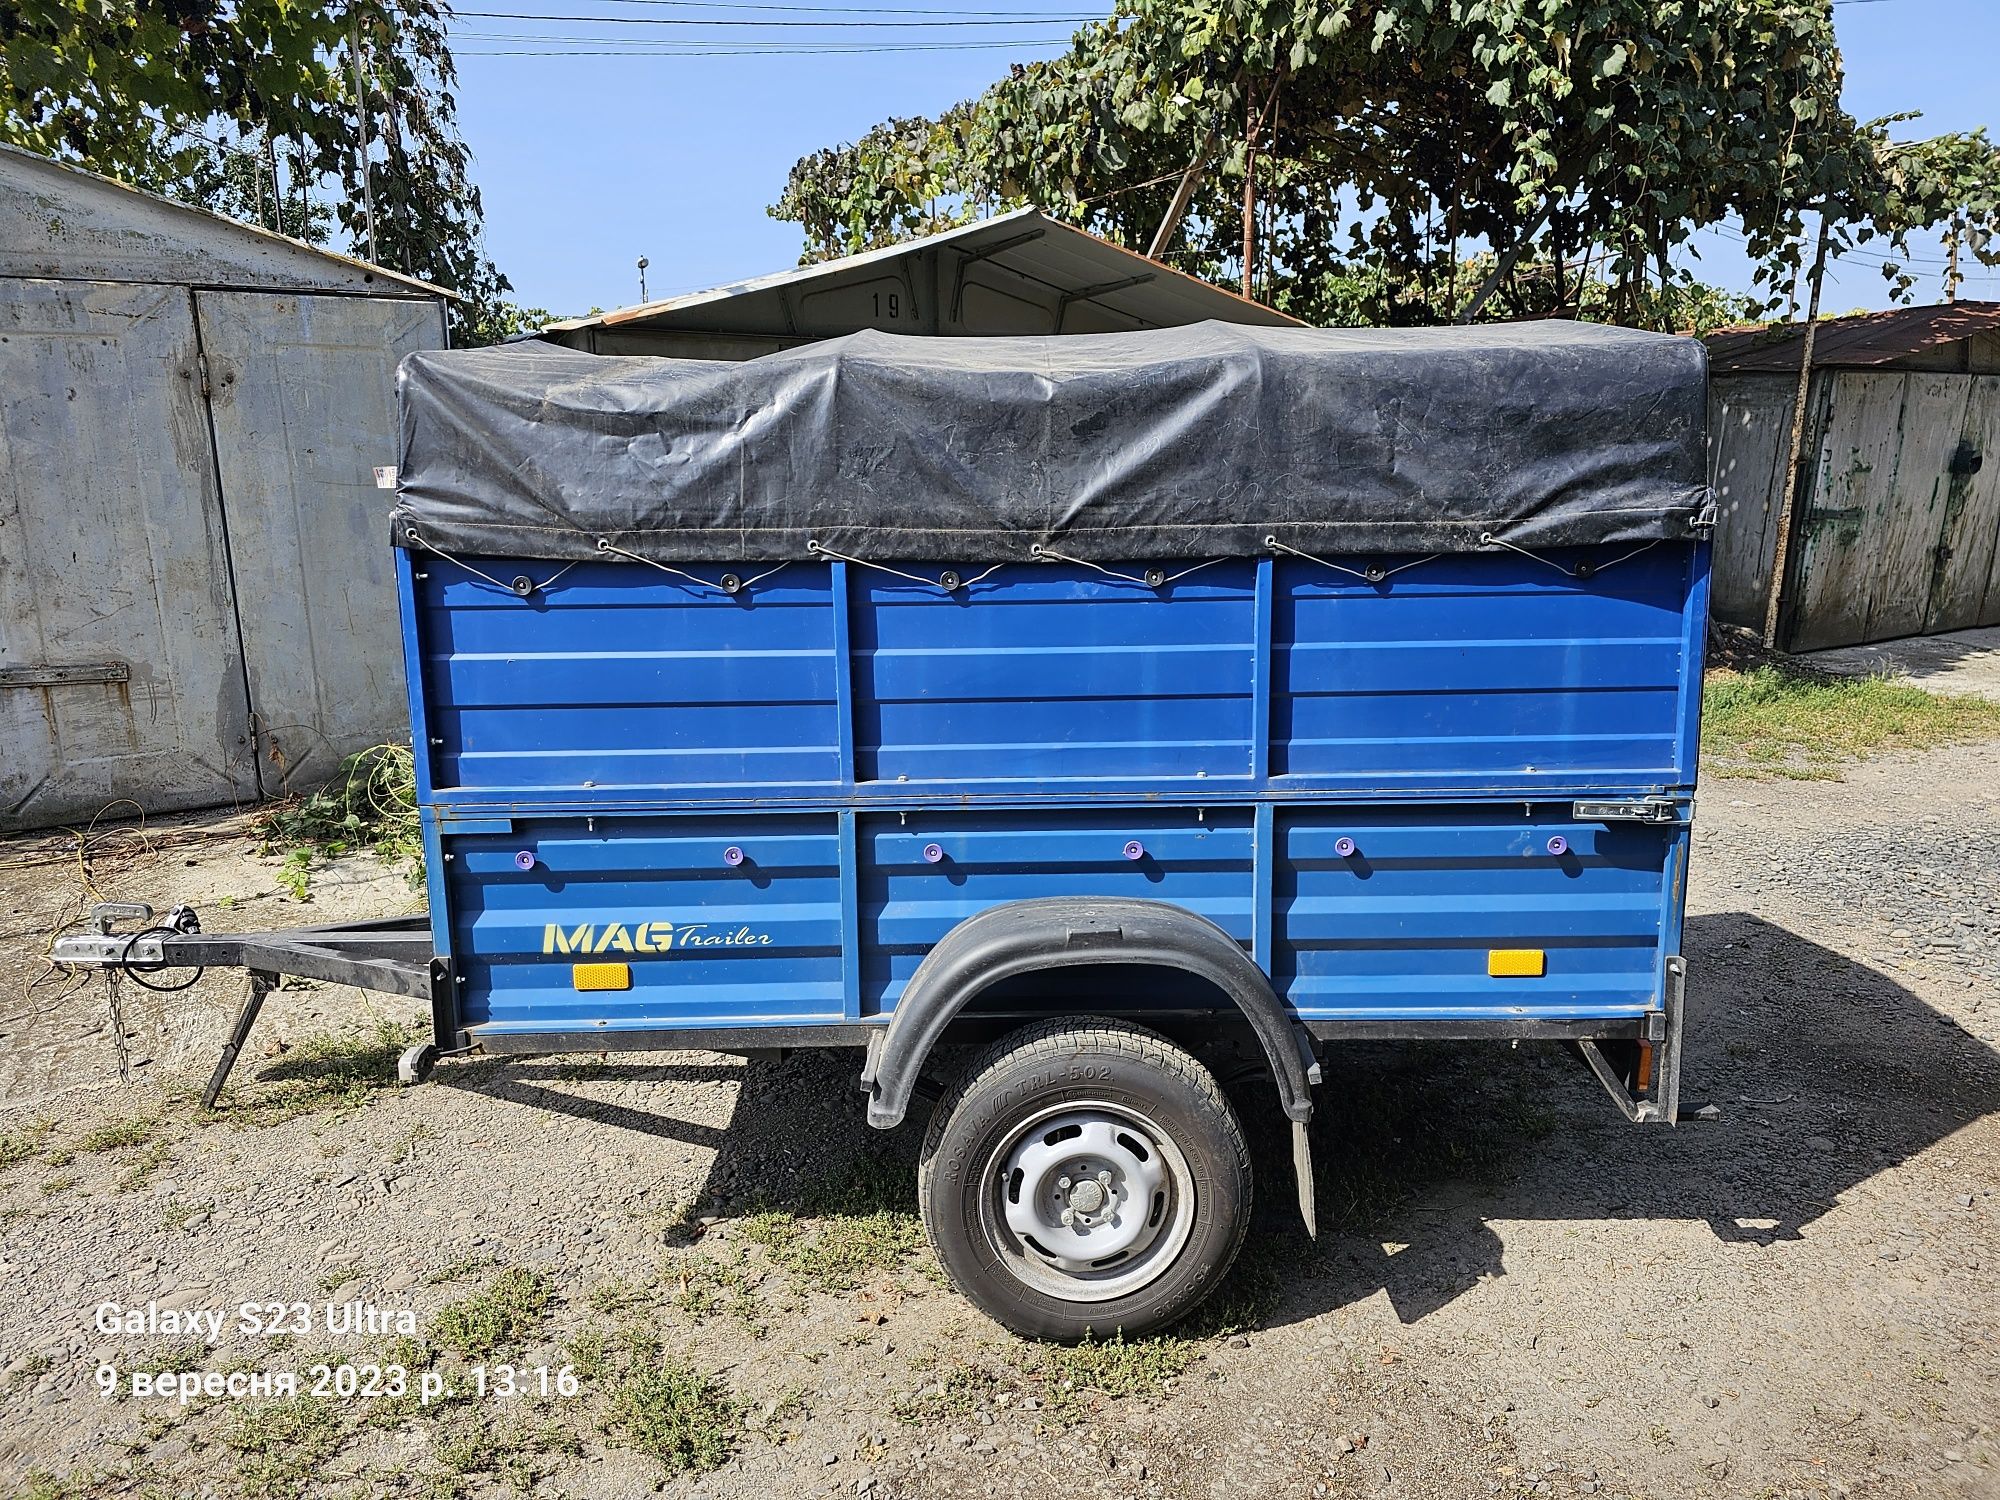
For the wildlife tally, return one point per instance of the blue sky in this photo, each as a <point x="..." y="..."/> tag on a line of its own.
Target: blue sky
<point x="587" y="162"/>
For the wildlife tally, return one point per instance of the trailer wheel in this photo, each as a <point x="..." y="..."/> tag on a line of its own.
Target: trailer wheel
<point x="1085" y="1178"/>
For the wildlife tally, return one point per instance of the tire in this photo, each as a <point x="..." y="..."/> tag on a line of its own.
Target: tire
<point x="1091" y="1115"/>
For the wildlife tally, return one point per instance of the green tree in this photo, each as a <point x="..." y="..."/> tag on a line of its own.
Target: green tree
<point x="1372" y="144"/>
<point x="249" y="107"/>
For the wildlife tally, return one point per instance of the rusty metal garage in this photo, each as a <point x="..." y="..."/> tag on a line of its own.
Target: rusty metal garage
<point x="1897" y="513"/>
<point x="196" y="602"/>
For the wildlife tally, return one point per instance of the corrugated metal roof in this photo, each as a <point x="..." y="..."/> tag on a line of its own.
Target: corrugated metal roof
<point x="1065" y="263"/>
<point x="63" y="221"/>
<point x="1857" y="342"/>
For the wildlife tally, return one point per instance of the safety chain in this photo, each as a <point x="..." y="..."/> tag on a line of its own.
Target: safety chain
<point x="114" y="999"/>
<point x="947" y="582"/>
<point x="729" y="583"/>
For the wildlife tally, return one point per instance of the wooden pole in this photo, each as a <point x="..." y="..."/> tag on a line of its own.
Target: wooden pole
<point x="1789" y="505"/>
<point x="1250" y="124"/>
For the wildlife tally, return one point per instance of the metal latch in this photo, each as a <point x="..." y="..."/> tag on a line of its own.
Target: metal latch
<point x="1628" y="810"/>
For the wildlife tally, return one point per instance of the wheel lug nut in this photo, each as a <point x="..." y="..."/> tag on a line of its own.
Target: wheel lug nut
<point x="1063" y="1183"/>
<point x="1104" y="1179"/>
<point x="1068" y="1217"/>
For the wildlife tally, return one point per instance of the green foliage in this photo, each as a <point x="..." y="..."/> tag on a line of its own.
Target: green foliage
<point x="1113" y="1369"/>
<point x="498" y="1318"/>
<point x="24" y="1144"/>
<point x="1583" y="142"/>
<point x="249" y="107"/>
<point x="118" y="1134"/>
<point x="370" y="804"/>
<point x="1778" y="722"/>
<point x="677" y="1415"/>
<point x="280" y="1446"/>
<point x="849" y="1231"/>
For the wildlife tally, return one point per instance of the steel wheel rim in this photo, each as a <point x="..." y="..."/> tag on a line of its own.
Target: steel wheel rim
<point x="1125" y="1182"/>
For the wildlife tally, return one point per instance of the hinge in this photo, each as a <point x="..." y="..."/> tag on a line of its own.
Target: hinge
<point x="201" y="364"/>
<point x="1628" y="810"/>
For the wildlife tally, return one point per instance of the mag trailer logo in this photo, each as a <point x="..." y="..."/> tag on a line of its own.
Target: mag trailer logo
<point x="659" y="936"/>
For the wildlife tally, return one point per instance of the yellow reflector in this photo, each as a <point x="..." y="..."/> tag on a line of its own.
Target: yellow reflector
<point x="1501" y="963"/>
<point x="600" y="976"/>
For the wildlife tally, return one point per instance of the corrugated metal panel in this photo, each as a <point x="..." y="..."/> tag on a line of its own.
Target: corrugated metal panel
<point x="112" y="553"/>
<point x="1749" y="437"/>
<point x="303" y="406"/>
<point x="1859" y="341"/>
<point x="1019" y="273"/>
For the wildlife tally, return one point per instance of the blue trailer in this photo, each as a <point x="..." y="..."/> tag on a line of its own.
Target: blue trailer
<point x="1097" y="700"/>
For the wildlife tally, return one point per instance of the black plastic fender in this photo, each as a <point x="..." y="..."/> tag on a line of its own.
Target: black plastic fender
<point x="1018" y="937"/>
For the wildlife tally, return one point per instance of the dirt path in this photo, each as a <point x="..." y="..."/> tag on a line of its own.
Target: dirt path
<point x="1518" y="1293"/>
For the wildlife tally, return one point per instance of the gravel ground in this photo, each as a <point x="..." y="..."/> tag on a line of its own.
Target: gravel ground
<point x="1515" y="1293"/>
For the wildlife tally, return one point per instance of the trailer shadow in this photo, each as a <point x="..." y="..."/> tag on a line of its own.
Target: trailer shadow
<point x="1825" y="1073"/>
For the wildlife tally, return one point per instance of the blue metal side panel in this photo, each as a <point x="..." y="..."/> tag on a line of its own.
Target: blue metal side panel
<point x="1401" y="926"/>
<point x="832" y="722"/>
<point x="407" y="584"/>
<point x="1483" y="671"/>
<point x="1198" y="861"/>
<point x="618" y="675"/>
<point x="1056" y="674"/>
<point x="710" y="943"/>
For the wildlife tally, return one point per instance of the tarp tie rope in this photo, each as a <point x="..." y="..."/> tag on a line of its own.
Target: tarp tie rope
<point x="515" y="587"/>
<point x="729" y="584"/>
<point x="1154" y="578"/>
<point x="1584" y="569"/>
<point x="946" y="583"/>
<point x="1366" y="575"/>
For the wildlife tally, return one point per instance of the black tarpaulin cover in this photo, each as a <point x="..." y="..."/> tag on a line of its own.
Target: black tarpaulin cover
<point x="1186" y="442"/>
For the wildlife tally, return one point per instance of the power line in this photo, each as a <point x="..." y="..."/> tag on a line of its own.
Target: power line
<point x="517" y="15"/>
<point x="857" y="10"/>
<point x="623" y="44"/>
<point x="806" y="49"/>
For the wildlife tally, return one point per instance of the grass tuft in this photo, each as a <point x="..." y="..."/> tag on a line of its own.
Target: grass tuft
<point x="17" y="1146"/>
<point x="323" y="1073"/>
<point x="281" y="1446"/>
<point x="500" y="1317"/>
<point x="677" y="1415"/>
<point x="846" y="1232"/>
<point x="1115" y="1369"/>
<point x="117" y="1135"/>
<point x="1777" y="722"/>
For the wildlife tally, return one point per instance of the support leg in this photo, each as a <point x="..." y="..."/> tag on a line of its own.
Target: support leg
<point x="261" y="984"/>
